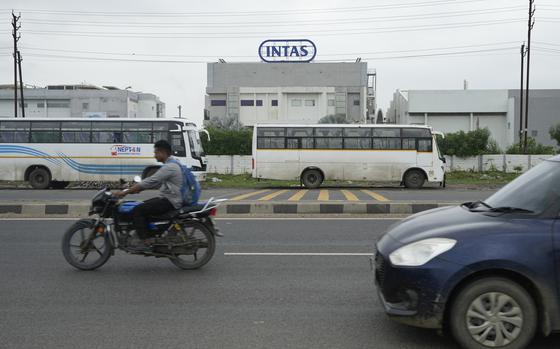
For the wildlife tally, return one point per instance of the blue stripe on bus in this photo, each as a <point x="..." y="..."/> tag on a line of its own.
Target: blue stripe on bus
<point x="80" y="167"/>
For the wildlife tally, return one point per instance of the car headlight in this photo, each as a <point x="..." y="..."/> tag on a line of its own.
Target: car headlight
<point x="420" y="252"/>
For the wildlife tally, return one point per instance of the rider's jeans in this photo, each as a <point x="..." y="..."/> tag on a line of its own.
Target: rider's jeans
<point x="150" y="207"/>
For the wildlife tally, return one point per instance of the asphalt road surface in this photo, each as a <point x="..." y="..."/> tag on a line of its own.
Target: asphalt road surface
<point x="274" y="194"/>
<point x="236" y="301"/>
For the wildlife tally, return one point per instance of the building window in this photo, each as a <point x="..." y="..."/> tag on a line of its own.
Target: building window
<point x="247" y="103"/>
<point x="331" y="102"/>
<point x="274" y="102"/>
<point x="259" y="102"/>
<point x="85" y="106"/>
<point x="357" y="102"/>
<point x="309" y="102"/>
<point x="296" y="102"/>
<point x="218" y="103"/>
<point x="58" y="105"/>
<point x="40" y="105"/>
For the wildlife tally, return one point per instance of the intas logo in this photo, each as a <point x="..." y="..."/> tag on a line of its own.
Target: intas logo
<point x="287" y="51"/>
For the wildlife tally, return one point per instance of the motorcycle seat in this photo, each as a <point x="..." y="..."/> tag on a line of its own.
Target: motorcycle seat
<point x="174" y="213"/>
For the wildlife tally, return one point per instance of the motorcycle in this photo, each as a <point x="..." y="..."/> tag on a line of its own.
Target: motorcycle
<point x="187" y="236"/>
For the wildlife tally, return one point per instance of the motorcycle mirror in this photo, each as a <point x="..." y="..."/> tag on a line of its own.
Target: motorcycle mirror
<point x="137" y="179"/>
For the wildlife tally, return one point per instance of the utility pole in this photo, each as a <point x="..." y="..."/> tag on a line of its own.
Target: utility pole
<point x="179" y="107"/>
<point x="16" y="36"/>
<point x="530" y="25"/>
<point x="21" y="86"/>
<point x="523" y="52"/>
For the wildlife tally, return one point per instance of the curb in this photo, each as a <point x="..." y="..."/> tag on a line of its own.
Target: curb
<point x="229" y="209"/>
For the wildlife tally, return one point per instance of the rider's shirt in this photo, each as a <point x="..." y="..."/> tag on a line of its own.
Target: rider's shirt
<point x="169" y="179"/>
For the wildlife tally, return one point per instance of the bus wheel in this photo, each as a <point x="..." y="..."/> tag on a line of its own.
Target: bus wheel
<point x="414" y="179"/>
<point x="312" y="179"/>
<point x="40" y="178"/>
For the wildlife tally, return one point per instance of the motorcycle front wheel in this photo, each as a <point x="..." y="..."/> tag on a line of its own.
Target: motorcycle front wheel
<point x="84" y="248"/>
<point x="203" y="245"/>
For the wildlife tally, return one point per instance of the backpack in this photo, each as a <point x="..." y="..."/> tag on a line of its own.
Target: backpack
<point x="190" y="190"/>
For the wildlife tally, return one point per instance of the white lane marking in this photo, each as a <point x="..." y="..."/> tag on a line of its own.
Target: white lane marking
<point x="294" y="254"/>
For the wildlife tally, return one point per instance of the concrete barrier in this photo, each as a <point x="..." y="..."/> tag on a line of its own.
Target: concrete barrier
<point x="232" y="209"/>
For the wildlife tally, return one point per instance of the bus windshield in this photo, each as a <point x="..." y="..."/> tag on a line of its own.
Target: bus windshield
<point x="195" y="144"/>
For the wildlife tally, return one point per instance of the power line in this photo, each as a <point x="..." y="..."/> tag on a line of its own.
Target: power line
<point x="282" y="23"/>
<point x="250" y="56"/>
<point x="252" y="13"/>
<point x="200" y="61"/>
<point x="216" y="35"/>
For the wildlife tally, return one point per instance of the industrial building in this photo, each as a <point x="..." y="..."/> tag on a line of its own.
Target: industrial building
<point x="81" y="101"/>
<point x="467" y="110"/>
<point x="259" y="92"/>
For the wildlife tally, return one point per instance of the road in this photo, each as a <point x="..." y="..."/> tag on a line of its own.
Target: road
<point x="276" y="194"/>
<point x="233" y="302"/>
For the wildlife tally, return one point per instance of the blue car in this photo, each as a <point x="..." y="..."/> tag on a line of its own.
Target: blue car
<point x="488" y="272"/>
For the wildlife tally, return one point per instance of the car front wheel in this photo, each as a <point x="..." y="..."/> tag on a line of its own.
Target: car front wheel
<point x="493" y="313"/>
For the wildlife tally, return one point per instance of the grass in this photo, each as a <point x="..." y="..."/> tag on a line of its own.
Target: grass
<point x="495" y="178"/>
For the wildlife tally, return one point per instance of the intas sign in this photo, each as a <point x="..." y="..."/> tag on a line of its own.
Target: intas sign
<point x="287" y="51"/>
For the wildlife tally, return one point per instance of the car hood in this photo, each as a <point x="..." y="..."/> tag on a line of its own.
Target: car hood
<point x="449" y="222"/>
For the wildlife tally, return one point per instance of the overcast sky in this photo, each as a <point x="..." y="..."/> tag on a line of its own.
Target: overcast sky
<point x="161" y="46"/>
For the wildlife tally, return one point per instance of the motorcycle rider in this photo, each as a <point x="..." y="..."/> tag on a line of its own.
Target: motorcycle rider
<point x="169" y="179"/>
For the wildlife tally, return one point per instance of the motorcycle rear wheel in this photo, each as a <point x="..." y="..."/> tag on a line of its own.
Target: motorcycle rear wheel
<point x="84" y="253"/>
<point x="207" y="245"/>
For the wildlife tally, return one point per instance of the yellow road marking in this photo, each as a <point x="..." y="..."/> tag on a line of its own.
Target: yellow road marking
<point x="297" y="196"/>
<point x="349" y="195"/>
<point x="374" y="195"/>
<point x="323" y="195"/>
<point x="247" y="195"/>
<point x="273" y="195"/>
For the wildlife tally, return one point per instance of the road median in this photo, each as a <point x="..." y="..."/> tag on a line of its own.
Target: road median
<point x="77" y="209"/>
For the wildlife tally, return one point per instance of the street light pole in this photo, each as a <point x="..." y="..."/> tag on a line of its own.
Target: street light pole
<point x="530" y="25"/>
<point x="179" y="107"/>
<point x="521" y="98"/>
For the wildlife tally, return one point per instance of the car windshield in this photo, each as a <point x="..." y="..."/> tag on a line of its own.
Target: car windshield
<point x="536" y="190"/>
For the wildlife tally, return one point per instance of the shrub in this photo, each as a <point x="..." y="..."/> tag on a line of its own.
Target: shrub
<point x="465" y="144"/>
<point x="228" y="141"/>
<point x="532" y="148"/>
<point x="555" y="133"/>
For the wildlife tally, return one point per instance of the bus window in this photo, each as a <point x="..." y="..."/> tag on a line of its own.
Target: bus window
<point x="425" y="145"/>
<point x="328" y="132"/>
<point x="409" y="143"/>
<point x="271" y="132"/>
<point x="14" y="132"/>
<point x="178" y="144"/>
<point x="45" y="132"/>
<point x="387" y="143"/>
<point x="300" y="132"/>
<point x="357" y="132"/>
<point x="137" y="132"/>
<point x="270" y="143"/>
<point x="106" y="132"/>
<point x="387" y="132"/>
<point x="357" y="143"/>
<point x="416" y="132"/>
<point x="76" y="131"/>
<point x="328" y="143"/>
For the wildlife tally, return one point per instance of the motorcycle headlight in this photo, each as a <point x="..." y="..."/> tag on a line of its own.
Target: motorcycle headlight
<point x="421" y="252"/>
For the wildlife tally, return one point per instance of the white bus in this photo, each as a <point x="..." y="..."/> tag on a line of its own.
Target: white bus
<point x="52" y="152"/>
<point x="314" y="153"/>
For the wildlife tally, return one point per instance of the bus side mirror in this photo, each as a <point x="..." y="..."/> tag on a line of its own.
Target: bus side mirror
<point x="206" y="133"/>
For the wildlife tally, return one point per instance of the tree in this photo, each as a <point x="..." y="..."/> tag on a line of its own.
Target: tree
<point x="379" y="117"/>
<point x="555" y="133"/>
<point x="333" y="119"/>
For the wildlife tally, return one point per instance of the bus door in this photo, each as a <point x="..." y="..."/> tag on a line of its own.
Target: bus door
<point x="291" y="157"/>
<point x="424" y="154"/>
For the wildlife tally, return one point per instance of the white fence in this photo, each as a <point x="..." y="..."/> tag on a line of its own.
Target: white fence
<point x="498" y="162"/>
<point x="240" y="164"/>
